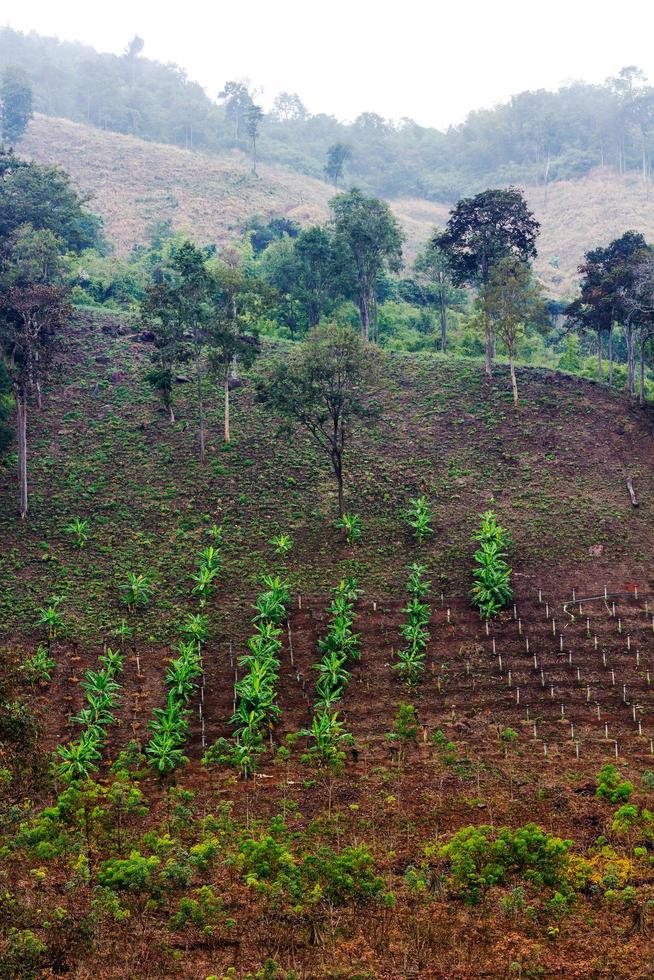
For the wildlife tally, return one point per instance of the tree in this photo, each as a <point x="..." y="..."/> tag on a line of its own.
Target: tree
<point x="180" y="312"/>
<point x="367" y="233"/>
<point x="15" y="103"/>
<point x="161" y="317"/>
<point x="607" y="294"/>
<point x="338" y="155"/>
<point x="432" y="268"/>
<point x="511" y="300"/>
<point x="44" y="198"/>
<point x="237" y="100"/>
<point x="32" y="315"/>
<point x="239" y="302"/>
<point x="481" y="231"/>
<point x="254" y="115"/>
<point x="323" y="387"/>
<point x="289" y="105"/>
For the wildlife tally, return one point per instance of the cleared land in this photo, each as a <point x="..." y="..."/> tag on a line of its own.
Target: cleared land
<point x="135" y="183"/>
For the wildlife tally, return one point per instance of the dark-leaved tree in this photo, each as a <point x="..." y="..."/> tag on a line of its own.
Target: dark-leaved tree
<point x="480" y="232"/>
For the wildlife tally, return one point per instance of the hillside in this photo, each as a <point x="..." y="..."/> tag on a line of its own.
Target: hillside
<point x="135" y="183"/>
<point x="555" y="470"/>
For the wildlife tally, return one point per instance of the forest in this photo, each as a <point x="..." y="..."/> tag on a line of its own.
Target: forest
<point x="326" y="610"/>
<point x="536" y="137"/>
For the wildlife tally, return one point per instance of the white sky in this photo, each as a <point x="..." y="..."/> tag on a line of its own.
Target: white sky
<point x="425" y="59"/>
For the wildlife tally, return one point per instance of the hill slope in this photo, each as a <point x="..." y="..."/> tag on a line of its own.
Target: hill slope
<point x="135" y="183"/>
<point x="101" y="449"/>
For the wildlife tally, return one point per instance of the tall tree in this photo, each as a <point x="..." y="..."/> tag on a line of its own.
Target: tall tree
<point x="239" y="301"/>
<point x="367" y="232"/>
<point x="182" y="309"/>
<point x="432" y="267"/>
<point x="324" y="387"/>
<point x="15" y="104"/>
<point x="237" y="100"/>
<point x="31" y="317"/>
<point x="338" y="155"/>
<point x="480" y="232"/>
<point x="606" y="296"/>
<point x="512" y="300"/>
<point x="253" y="121"/>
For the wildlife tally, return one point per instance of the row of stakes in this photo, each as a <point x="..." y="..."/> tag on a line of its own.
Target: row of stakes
<point x="634" y="707"/>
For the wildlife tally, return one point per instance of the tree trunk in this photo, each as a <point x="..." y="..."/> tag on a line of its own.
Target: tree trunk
<point x="631" y="358"/>
<point x="641" y="372"/>
<point x="337" y="465"/>
<point x="514" y="382"/>
<point x="364" y="310"/>
<point x="198" y="375"/>
<point x="227" y="431"/>
<point x="443" y="313"/>
<point x="610" y="353"/>
<point x="600" y="371"/>
<point x="489" y="346"/>
<point x="171" y="412"/>
<point x="21" y="421"/>
<point x="374" y="316"/>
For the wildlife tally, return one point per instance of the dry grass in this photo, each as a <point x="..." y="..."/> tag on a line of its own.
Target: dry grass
<point x="134" y="183"/>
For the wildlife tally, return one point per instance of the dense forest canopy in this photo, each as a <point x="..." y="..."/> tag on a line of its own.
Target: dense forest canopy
<point x="535" y="137"/>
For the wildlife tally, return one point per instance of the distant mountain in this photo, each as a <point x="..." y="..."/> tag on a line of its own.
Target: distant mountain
<point x="535" y="138"/>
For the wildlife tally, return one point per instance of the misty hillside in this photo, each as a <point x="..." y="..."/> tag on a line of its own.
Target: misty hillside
<point x="135" y="183"/>
<point x="535" y="138"/>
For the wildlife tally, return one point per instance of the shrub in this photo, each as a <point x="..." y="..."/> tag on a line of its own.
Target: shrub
<point x="612" y="787"/>
<point x="480" y="858"/>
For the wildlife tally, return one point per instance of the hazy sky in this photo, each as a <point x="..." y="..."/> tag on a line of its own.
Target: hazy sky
<point x="430" y="61"/>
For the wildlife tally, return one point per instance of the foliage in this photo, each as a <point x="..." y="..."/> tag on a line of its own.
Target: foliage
<point x="322" y="388"/>
<point x="350" y="525"/>
<point x="282" y="543"/>
<point x="80" y="529"/>
<point x="15" y="104"/>
<point x="412" y="656"/>
<point x="419" y="518"/>
<point x="491" y="590"/>
<point x="479" y="858"/>
<point x="611" y="786"/>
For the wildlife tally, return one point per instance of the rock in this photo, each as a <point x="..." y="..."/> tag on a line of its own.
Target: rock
<point x="596" y="550"/>
<point x="115" y="377"/>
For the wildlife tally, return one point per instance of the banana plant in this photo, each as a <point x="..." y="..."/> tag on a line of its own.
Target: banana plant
<point x="113" y="661"/>
<point x="417" y="586"/>
<point x="491" y="589"/>
<point x="39" y="666"/>
<point x="164" y="754"/>
<point x="51" y="618"/>
<point x="204" y="579"/>
<point x="211" y="558"/>
<point x="196" y="626"/>
<point x="79" y="759"/>
<point x="419" y="518"/>
<point x="137" y="590"/>
<point x="80" y="529"/>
